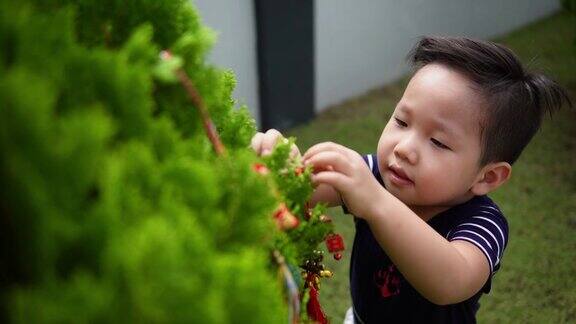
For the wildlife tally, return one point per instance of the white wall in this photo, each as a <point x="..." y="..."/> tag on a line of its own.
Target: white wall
<point x="235" y="48"/>
<point x="362" y="44"/>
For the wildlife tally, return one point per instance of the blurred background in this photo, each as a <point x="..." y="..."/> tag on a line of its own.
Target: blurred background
<point x="294" y="59"/>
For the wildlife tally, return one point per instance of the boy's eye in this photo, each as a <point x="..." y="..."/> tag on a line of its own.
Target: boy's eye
<point x="400" y="122"/>
<point x="439" y="144"/>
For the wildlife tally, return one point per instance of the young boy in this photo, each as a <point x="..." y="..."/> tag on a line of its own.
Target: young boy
<point x="428" y="239"/>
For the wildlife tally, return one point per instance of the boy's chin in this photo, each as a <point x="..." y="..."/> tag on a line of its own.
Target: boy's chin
<point x="409" y="198"/>
<point x="402" y="195"/>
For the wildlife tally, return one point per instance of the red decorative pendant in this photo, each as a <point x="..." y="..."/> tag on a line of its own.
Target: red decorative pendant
<point x="334" y="243"/>
<point x="260" y="168"/>
<point x="285" y="220"/>
<point x="299" y="170"/>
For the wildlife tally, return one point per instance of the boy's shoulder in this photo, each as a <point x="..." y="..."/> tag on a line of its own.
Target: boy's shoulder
<point x="479" y="210"/>
<point x="478" y="221"/>
<point x="478" y="207"/>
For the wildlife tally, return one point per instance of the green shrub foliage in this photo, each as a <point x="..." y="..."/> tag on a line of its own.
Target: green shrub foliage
<point x="114" y="207"/>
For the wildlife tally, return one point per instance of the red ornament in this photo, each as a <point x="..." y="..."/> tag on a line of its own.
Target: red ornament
<point x="299" y="170"/>
<point x="334" y="243"/>
<point x="285" y="220"/>
<point x="260" y="168"/>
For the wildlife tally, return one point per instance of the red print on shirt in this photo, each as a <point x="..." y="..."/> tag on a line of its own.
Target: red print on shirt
<point x="388" y="281"/>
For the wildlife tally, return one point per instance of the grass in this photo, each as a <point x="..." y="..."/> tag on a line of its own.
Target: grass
<point x="537" y="281"/>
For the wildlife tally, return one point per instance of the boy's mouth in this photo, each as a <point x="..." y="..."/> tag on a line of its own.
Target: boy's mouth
<point x="398" y="176"/>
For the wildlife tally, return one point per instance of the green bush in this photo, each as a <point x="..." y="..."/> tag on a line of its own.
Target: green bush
<point x="114" y="206"/>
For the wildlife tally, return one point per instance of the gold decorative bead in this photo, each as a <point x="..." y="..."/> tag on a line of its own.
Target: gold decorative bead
<point x="326" y="273"/>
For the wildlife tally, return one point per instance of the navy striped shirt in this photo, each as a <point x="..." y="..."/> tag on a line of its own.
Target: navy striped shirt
<point x="380" y="292"/>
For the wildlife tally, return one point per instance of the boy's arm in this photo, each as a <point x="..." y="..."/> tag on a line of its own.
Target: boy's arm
<point x="325" y="194"/>
<point x="443" y="272"/>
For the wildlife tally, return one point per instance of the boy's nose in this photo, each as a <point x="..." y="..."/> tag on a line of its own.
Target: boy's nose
<point x="405" y="150"/>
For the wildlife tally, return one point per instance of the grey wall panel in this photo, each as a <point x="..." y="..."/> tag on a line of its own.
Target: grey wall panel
<point x="362" y="44"/>
<point x="235" y="48"/>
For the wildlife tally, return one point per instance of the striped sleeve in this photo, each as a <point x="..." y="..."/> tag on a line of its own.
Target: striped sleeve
<point x="487" y="229"/>
<point x="370" y="160"/>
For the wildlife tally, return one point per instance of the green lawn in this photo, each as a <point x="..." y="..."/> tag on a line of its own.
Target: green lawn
<point x="537" y="281"/>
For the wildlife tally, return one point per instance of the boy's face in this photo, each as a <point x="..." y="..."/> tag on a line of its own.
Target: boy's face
<point x="429" y="151"/>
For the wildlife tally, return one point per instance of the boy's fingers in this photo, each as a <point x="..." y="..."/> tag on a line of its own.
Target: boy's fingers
<point x="330" y="160"/>
<point x="270" y="139"/>
<point x="328" y="146"/>
<point x="294" y="151"/>
<point x="314" y="149"/>
<point x="263" y="143"/>
<point x="256" y="143"/>
<point x="331" y="178"/>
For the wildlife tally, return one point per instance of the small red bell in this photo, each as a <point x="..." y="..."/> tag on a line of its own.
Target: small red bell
<point x="260" y="168"/>
<point x="299" y="170"/>
<point x="334" y="243"/>
<point x="285" y="220"/>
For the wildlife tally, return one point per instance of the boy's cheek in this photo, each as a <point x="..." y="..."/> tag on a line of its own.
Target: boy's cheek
<point x="383" y="152"/>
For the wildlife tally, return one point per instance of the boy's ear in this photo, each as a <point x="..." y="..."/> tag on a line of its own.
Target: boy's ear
<point x="492" y="176"/>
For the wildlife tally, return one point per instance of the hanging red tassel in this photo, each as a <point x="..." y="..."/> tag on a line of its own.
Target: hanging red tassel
<point x="313" y="307"/>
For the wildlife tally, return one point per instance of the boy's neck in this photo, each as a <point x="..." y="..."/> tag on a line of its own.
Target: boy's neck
<point x="428" y="212"/>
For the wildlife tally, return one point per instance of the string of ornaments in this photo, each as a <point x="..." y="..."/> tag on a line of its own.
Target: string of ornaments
<point x="312" y="269"/>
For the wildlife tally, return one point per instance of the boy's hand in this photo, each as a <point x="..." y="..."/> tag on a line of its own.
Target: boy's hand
<point x="346" y="171"/>
<point x="264" y="143"/>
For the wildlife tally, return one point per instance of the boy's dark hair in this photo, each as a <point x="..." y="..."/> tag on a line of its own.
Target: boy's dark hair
<point x="516" y="100"/>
